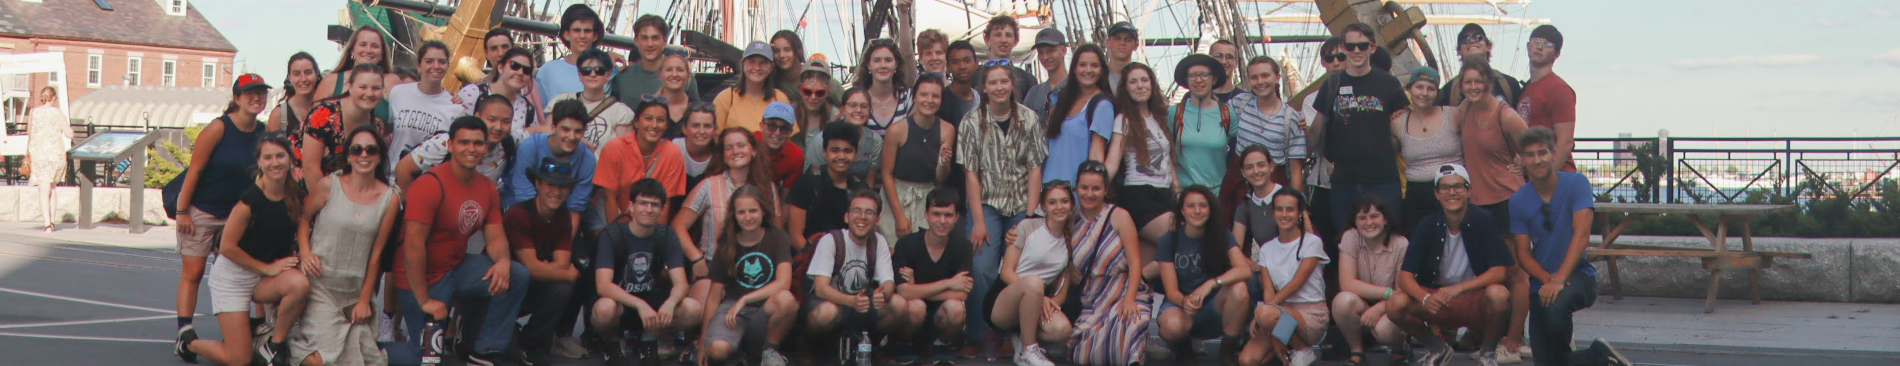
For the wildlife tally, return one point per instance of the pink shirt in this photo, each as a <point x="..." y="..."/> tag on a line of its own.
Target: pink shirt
<point x="1377" y="265"/>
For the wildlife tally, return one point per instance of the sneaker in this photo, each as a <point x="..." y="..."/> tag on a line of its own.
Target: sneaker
<point x="617" y="352"/>
<point x="771" y="357"/>
<point x="386" y="328"/>
<point x="1032" y="355"/>
<point x="487" y="358"/>
<point x="533" y="358"/>
<point x="267" y="353"/>
<point x="1524" y="350"/>
<point x="567" y="347"/>
<point x="1609" y="352"/>
<point x="1506" y="356"/>
<point x="1303" y="357"/>
<point x="1435" y="356"/>
<point x="261" y="328"/>
<point x="942" y="354"/>
<point x="1488" y="358"/>
<point x="182" y="347"/>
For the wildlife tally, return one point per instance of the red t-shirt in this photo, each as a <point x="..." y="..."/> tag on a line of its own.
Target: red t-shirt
<point x="788" y="164"/>
<point x="622" y="163"/>
<point x="526" y="230"/>
<point x="454" y="211"/>
<point x="1548" y="102"/>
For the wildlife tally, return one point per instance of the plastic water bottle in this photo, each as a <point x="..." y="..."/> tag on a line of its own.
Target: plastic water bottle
<point x="432" y="346"/>
<point x="864" y="349"/>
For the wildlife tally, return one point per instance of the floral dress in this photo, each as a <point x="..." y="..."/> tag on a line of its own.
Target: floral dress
<point x="49" y="135"/>
<point x="1102" y="335"/>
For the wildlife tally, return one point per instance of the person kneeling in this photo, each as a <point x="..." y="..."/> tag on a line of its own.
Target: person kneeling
<point x="754" y="261"/>
<point x="630" y="255"/>
<point x="933" y="271"/>
<point x="1187" y="255"/>
<point x="258" y="265"/>
<point x="1453" y="274"/>
<point x="541" y="230"/>
<point x="856" y="263"/>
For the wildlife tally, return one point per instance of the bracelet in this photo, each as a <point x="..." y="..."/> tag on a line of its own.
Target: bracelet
<point x="1428" y="298"/>
<point x="1388" y="292"/>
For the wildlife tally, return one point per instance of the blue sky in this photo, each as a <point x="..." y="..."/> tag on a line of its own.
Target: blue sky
<point x="1697" y="68"/>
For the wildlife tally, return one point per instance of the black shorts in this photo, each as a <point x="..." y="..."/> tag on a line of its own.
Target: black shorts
<point x="630" y="319"/>
<point x="1144" y="203"/>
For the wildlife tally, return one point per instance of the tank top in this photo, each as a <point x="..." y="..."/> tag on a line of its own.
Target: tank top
<point x="228" y="172"/>
<point x="292" y="123"/>
<point x="1423" y="156"/>
<point x="345" y="232"/>
<point x="917" y="158"/>
<point x="1487" y="155"/>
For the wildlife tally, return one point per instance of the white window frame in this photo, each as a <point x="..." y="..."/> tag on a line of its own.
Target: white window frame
<point x="210" y="77"/>
<point x="175" y="7"/>
<point x="94" y="74"/>
<point x="134" y="70"/>
<point x="168" y="73"/>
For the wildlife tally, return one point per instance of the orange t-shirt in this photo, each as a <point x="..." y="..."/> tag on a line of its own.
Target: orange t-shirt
<point x="622" y="163"/>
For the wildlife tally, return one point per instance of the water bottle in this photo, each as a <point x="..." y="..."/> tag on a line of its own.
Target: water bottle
<point x="864" y="348"/>
<point x="432" y="346"/>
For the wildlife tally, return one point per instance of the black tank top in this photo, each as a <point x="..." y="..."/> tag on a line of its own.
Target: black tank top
<point x="917" y="158"/>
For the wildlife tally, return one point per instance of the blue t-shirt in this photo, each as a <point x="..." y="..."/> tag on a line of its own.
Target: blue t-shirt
<point x="558" y="77"/>
<point x="519" y="188"/>
<point x="1185" y="253"/>
<point x="1068" y="150"/>
<point x="1549" y="244"/>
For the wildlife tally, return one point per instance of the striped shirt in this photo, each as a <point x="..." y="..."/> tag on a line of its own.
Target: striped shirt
<point x="1002" y="159"/>
<point x="1280" y="132"/>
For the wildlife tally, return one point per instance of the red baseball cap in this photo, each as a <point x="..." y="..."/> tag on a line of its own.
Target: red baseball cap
<point x="247" y="82"/>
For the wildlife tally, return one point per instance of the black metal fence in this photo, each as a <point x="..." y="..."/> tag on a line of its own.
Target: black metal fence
<point x="1730" y="169"/>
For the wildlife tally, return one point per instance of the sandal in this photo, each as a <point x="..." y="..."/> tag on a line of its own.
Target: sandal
<point x="1355" y="358"/>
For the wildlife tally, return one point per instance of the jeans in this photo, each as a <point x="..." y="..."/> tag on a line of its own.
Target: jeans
<point x="986" y="266"/>
<point x="464" y="282"/>
<point x="1551" y="326"/>
<point x="549" y="312"/>
<point x="1344" y="193"/>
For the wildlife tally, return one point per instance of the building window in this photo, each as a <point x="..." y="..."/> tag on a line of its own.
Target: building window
<point x="210" y="76"/>
<point x="134" y="67"/>
<point x="175" y="7"/>
<point x="168" y="72"/>
<point x="52" y="78"/>
<point x="93" y="64"/>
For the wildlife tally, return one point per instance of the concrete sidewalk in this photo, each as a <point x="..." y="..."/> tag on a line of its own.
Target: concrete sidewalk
<point x="1780" y="328"/>
<point x="157" y="238"/>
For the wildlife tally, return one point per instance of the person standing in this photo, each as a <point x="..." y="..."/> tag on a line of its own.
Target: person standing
<point x="1453" y="274"/>
<point x="493" y="111"/>
<point x="300" y="88"/>
<point x="1000" y="36"/>
<point x="884" y="78"/>
<point x="1353" y="129"/>
<point x="819" y="201"/>
<point x="642" y="77"/>
<point x="1001" y="145"/>
<point x="1229" y="55"/>
<point x="1123" y="40"/>
<point x="1081" y="120"/>
<point x="961" y="96"/>
<point x="513" y="78"/>
<point x="605" y="117"/>
<point x="422" y="109"/>
<point x="49" y="135"/>
<point x="1147" y="153"/>
<point x="1550" y="227"/>
<point x="1548" y="101"/>
<point x="320" y="147"/>
<point x="564" y="147"/>
<point x="580" y="29"/>
<point x="1050" y="47"/>
<point x="1265" y="119"/>
<point x="1201" y="123"/>
<point x="697" y="146"/>
<point x="1488" y="132"/>
<point x="339" y="239"/>
<point x="856" y="112"/>
<point x="222" y="160"/>
<point x="775" y="129"/>
<point x="744" y="104"/>
<point x="257" y="264"/>
<point x="366" y="46"/>
<point x="1428" y="138"/>
<point x="675" y="76"/>
<point x="638" y="155"/>
<point x="917" y="158"/>
<point x="1474" y="45"/>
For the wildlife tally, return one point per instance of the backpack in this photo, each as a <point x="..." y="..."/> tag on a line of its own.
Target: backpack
<point x="837" y="262"/>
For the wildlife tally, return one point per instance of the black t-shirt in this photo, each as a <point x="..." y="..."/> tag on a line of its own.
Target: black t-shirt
<point x="1185" y="253"/>
<point x="639" y="263"/>
<point x="954" y="107"/>
<point x="1359" y="125"/>
<point x="751" y="267"/>
<point x="823" y="202"/>
<point x="272" y="233"/>
<point x="912" y="253"/>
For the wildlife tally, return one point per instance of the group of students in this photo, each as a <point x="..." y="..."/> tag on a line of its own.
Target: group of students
<point x="928" y="204"/>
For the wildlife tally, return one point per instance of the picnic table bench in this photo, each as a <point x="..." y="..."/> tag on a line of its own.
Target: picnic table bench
<point x="1715" y="259"/>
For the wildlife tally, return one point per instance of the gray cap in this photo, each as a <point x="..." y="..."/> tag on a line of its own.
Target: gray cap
<point x="1123" y="26"/>
<point x="757" y="48"/>
<point x="1050" y="36"/>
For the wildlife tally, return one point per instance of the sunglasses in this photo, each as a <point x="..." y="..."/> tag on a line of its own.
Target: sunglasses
<point x="1471" y="38"/>
<point x="371" y="150"/>
<point x="1357" y="46"/>
<point x="1335" y="57"/>
<point x="552" y="166"/>
<point x="1540" y="42"/>
<point x="814" y="93"/>
<point x="674" y="52"/>
<point x="996" y="62"/>
<point x="884" y="42"/>
<point x="699" y="107"/>
<point x="653" y="98"/>
<point x="520" y="67"/>
<point x="769" y="126"/>
<point x="595" y="70"/>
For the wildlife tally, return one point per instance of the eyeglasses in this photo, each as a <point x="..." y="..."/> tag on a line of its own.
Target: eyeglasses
<point x="1200" y="75"/>
<point x="996" y="62"/>
<point x="862" y="212"/>
<point x="1454" y="187"/>
<point x="595" y="70"/>
<point x="654" y="98"/>
<point x="857" y="105"/>
<point x="813" y="93"/>
<point x="519" y="67"/>
<point x="669" y="51"/>
<point x="883" y="42"/>
<point x="371" y="150"/>
<point x="770" y="126"/>
<point x="699" y="107"/>
<point x="1335" y="57"/>
<point x="1357" y="46"/>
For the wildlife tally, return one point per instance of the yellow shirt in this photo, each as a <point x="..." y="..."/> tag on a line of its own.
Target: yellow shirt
<point x="729" y="109"/>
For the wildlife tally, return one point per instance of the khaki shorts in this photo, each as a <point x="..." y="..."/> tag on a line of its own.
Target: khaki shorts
<point x="209" y="230"/>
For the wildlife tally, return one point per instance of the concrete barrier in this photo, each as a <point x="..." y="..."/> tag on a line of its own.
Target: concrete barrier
<point x="1842" y="270"/>
<point x="106" y="201"/>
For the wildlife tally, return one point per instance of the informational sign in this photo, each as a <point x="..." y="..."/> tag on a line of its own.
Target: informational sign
<point x="108" y="146"/>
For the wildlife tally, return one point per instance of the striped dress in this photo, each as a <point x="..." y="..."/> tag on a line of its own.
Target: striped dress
<point x="1102" y="335"/>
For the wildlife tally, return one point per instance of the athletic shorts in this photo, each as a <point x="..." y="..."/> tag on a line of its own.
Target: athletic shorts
<point x="1463" y="311"/>
<point x="630" y="318"/>
<point x="751" y="323"/>
<point x="231" y="286"/>
<point x="1144" y="203"/>
<point x="200" y="243"/>
<point x="1207" y="322"/>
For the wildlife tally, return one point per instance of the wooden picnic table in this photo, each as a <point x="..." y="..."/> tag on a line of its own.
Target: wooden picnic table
<point x="1715" y="259"/>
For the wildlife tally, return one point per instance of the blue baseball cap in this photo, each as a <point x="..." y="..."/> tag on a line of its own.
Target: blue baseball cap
<point x="782" y="111"/>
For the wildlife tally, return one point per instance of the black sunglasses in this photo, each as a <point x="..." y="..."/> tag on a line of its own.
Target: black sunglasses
<point x="1358" y="46"/>
<point x="653" y="98"/>
<point x="520" y="67"/>
<point x="364" y="149"/>
<point x="552" y="166"/>
<point x="1336" y="57"/>
<point x="699" y="107"/>
<point x="996" y="62"/>
<point x="595" y="70"/>
<point x="673" y="52"/>
<point x="883" y="42"/>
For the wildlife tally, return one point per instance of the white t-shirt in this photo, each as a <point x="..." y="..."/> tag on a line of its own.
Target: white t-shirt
<point x="1043" y="254"/>
<point x="856" y="275"/>
<point x="525" y="115"/>
<point x="415" y="116"/>
<point x="1455" y="267"/>
<point x="1282" y="260"/>
<point x="694" y="168"/>
<point x="435" y="150"/>
<point x="1158" y="171"/>
<point x="601" y="128"/>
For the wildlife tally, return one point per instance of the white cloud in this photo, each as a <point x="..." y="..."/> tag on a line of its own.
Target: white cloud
<point x="1751" y="61"/>
<point x="1891" y="57"/>
<point x="1832" y="23"/>
<point x="1883" y="14"/>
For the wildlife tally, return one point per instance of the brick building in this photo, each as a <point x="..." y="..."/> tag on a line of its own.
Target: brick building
<point x="114" y="42"/>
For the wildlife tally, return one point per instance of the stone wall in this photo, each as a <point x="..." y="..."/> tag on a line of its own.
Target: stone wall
<point x="105" y="201"/>
<point x="1842" y="270"/>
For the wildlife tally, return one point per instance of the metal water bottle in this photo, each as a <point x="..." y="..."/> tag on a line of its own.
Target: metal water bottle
<point x="864" y="349"/>
<point x="432" y="343"/>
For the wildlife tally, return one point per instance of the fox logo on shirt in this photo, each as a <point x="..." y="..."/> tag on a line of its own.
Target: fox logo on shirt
<point x="470" y="216"/>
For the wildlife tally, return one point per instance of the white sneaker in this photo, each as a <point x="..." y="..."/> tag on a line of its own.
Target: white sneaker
<point x="1524" y="350"/>
<point x="1508" y="357"/>
<point x="1488" y="359"/>
<point x="1031" y="355"/>
<point x="1303" y="357"/>
<point x="386" y="330"/>
<point x="1435" y="356"/>
<point x="772" y="358"/>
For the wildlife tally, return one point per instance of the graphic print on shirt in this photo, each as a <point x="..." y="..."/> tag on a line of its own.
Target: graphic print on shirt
<point x="852" y="278"/>
<point x="639" y="276"/>
<point x="470" y="216"/>
<point x="753" y="270"/>
<point x="416" y="123"/>
<point x="1524" y="107"/>
<point x="1188" y="264"/>
<point x="1346" y="104"/>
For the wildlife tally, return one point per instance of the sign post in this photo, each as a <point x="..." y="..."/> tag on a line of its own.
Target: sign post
<point x="110" y="148"/>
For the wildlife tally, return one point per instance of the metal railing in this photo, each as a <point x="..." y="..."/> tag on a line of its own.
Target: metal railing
<point x="1731" y="169"/>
